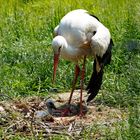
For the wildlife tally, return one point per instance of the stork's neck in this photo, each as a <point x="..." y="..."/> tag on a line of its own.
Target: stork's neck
<point x="67" y="49"/>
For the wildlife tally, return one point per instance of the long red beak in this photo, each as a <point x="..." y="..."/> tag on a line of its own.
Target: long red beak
<point x="55" y="64"/>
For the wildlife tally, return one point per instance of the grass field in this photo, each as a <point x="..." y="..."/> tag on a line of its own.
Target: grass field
<point x="26" y="57"/>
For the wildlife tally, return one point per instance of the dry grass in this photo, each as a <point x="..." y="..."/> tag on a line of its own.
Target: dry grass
<point x="19" y="117"/>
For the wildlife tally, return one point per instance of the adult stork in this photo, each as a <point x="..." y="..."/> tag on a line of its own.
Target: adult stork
<point x="78" y="36"/>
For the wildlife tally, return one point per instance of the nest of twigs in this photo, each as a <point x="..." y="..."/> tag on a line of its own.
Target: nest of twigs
<point x="29" y="116"/>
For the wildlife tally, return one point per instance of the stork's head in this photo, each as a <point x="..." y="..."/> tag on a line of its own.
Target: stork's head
<point x="50" y="104"/>
<point x="58" y="44"/>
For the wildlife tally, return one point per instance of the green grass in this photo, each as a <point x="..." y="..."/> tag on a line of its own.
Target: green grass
<point x="26" y="58"/>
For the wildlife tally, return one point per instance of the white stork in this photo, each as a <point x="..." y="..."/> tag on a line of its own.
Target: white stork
<point x="77" y="36"/>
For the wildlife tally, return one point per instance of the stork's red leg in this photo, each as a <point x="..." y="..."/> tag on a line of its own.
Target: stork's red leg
<point x="76" y="74"/>
<point x="82" y="81"/>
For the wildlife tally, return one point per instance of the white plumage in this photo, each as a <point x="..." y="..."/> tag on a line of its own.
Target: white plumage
<point x="78" y="35"/>
<point x="77" y="28"/>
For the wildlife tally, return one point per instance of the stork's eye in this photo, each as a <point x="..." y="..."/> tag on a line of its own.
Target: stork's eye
<point x="51" y="104"/>
<point x="94" y="32"/>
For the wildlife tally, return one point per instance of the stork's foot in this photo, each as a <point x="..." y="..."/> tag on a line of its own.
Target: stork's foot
<point x="81" y="114"/>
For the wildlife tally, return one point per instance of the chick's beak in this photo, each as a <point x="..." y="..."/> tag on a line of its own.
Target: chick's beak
<point x="55" y="64"/>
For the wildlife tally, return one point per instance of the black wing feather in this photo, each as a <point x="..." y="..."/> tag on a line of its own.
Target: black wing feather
<point x="94" y="16"/>
<point x="96" y="78"/>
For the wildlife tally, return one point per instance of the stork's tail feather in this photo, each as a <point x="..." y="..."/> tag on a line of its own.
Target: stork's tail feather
<point x="95" y="83"/>
<point x="96" y="78"/>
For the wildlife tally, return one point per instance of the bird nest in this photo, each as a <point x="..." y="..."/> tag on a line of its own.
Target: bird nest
<point x="29" y="116"/>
